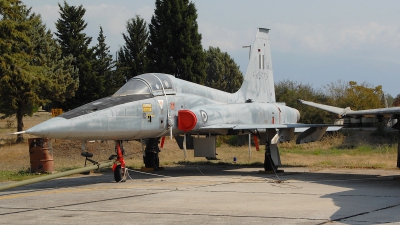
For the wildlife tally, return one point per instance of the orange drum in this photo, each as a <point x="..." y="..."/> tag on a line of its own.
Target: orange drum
<point x="41" y="156"/>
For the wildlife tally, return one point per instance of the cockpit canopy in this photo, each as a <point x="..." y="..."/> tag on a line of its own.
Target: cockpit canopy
<point x="149" y="83"/>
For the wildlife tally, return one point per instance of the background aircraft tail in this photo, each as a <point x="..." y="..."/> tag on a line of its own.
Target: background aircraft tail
<point x="258" y="84"/>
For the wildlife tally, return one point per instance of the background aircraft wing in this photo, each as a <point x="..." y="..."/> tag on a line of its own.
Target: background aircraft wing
<point x="393" y="112"/>
<point x="333" y="109"/>
<point x="385" y="112"/>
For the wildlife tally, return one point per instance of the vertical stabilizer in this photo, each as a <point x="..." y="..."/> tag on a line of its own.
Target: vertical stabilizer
<point x="258" y="84"/>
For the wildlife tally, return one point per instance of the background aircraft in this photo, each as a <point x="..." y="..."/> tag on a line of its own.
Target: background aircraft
<point x="392" y="113"/>
<point x="151" y="106"/>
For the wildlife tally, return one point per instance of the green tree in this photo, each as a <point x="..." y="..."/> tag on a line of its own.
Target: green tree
<point x="396" y="101"/>
<point x="32" y="71"/>
<point x="104" y="66"/>
<point x="289" y="92"/>
<point x="222" y="71"/>
<point x="357" y="96"/>
<point x="175" y="43"/>
<point x="132" y="59"/>
<point x="74" y="42"/>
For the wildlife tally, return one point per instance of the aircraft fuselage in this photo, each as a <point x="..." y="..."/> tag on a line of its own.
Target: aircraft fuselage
<point x="140" y="116"/>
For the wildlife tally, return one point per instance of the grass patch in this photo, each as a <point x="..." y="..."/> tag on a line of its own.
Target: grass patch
<point x="17" y="176"/>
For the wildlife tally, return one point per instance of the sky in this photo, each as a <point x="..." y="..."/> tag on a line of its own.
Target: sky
<point x="313" y="42"/>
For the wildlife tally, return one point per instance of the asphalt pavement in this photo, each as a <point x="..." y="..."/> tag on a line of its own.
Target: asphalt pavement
<point x="210" y="195"/>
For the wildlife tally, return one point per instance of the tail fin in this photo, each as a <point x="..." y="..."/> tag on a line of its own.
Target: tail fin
<point x="258" y="84"/>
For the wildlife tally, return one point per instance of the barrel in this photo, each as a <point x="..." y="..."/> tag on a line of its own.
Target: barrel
<point x="40" y="154"/>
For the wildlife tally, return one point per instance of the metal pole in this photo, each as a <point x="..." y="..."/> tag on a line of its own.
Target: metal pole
<point x="53" y="176"/>
<point x="248" y="46"/>
<point x="398" y="151"/>
<point x="249" y="146"/>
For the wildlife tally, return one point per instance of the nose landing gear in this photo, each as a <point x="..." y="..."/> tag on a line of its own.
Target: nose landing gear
<point x="119" y="169"/>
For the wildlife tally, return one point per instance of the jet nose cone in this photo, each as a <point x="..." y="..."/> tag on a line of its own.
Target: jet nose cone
<point x="53" y="128"/>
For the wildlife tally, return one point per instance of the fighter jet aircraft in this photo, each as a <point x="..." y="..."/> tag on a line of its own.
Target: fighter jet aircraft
<point x="154" y="105"/>
<point x="392" y="113"/>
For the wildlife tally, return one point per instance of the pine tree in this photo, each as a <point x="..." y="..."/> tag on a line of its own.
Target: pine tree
<point x="74" y="42"/>
<point x="61" y="75"/>
<point x="69" y="30"/>
<point x="31" y="70"/>
<point x="132" y="59"/>
<point x="175" y="43"/>
<point x="104" y="66"/>
<point x="222" y="71"/>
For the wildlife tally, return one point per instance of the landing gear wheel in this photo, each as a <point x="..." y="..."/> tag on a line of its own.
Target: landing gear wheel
<point x="151" y="160"/>
<point x="118" y="174"/>
<point x="269" y="164"/>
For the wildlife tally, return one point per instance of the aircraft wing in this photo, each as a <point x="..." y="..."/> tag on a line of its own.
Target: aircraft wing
<point x="262" y="126"/>
<point x="393" y="112"/>
<point x="308" y="132"/>
<point x="330" y="128"/>
<point x="385" y="112"/>
<point x="244" y="126"/>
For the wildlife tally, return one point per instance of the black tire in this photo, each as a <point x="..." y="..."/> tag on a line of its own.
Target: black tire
<point x="269" y="164"/>
<point x="148" y="160"/>
<point x="151" y="160"/>
<point x="118" y="177"/>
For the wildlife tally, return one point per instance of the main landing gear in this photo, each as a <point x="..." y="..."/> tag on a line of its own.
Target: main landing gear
<point x="269" y="164"/>
<point x="272" y="158"/>
<point x="150" y="158"/>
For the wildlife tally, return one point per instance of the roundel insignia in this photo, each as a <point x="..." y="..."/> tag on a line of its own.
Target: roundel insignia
<point x="204" y="116"/>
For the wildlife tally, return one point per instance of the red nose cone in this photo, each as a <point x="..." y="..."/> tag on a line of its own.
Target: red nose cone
<point x="186" y="120"/>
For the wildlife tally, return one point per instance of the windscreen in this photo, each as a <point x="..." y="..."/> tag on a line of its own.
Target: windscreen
<point x="157" y="81"/>
<point x="133" y="87"/>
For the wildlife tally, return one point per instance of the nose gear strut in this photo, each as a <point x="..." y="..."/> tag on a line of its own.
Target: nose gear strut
<point x="119" y="169"/>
